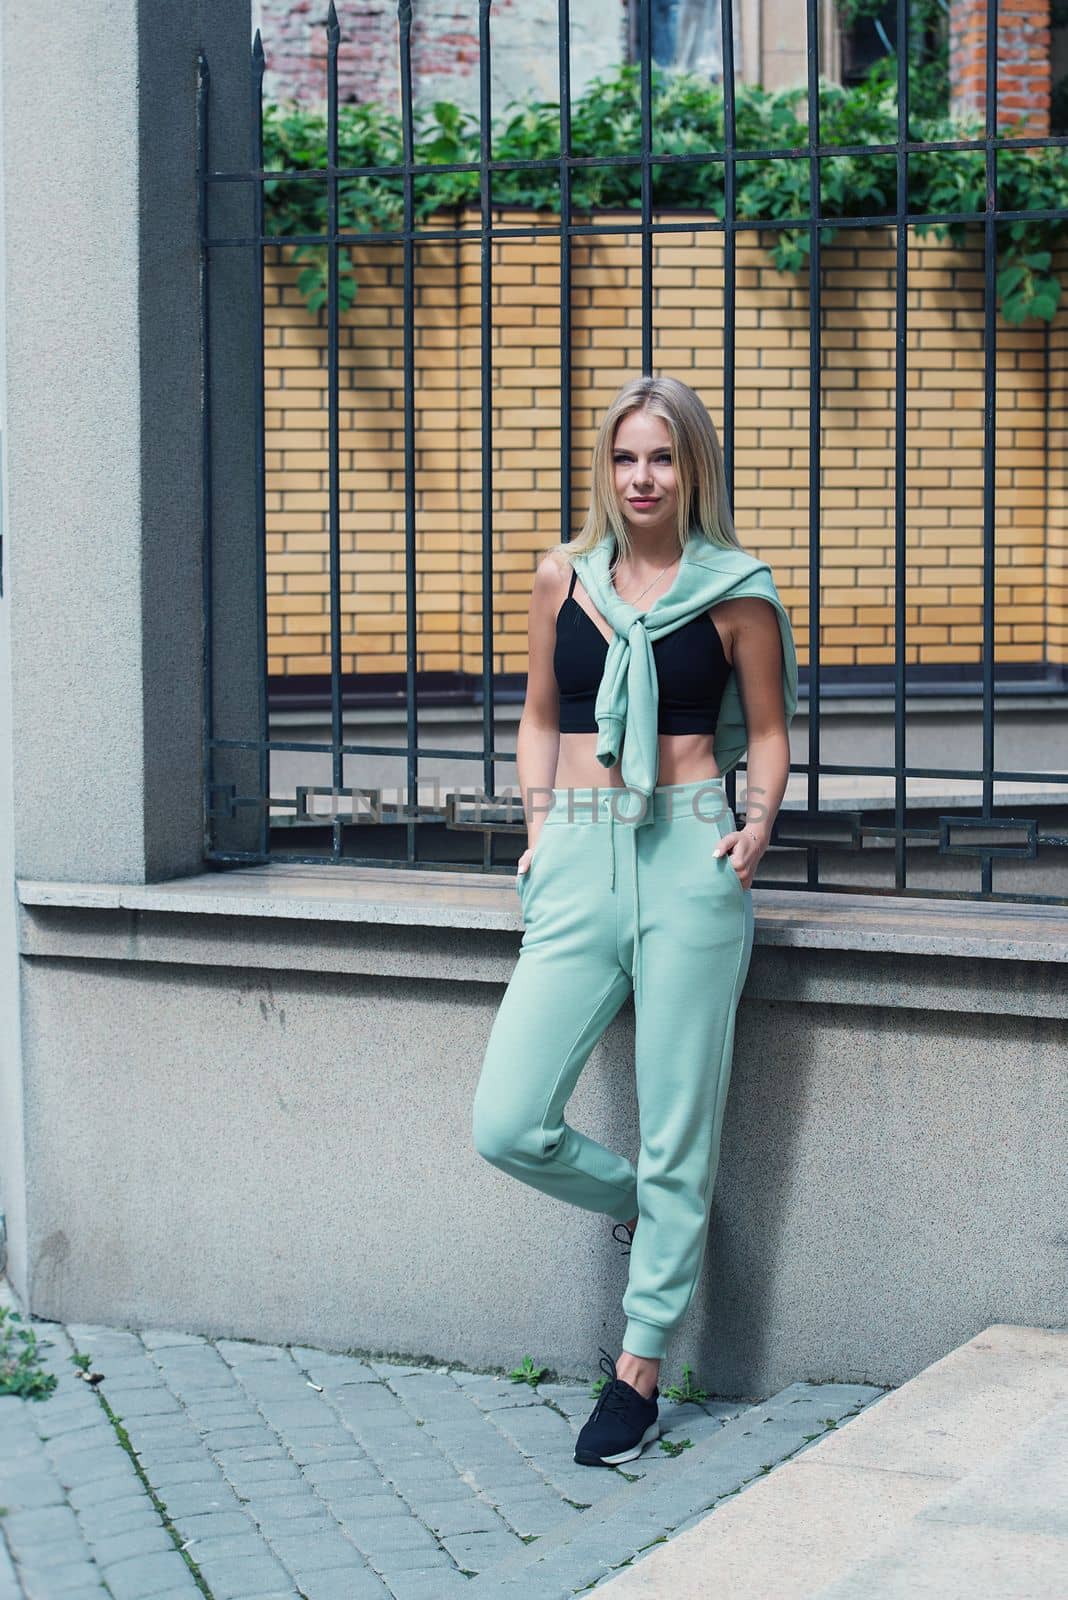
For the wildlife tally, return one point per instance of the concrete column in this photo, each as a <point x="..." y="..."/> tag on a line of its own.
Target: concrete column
<point x="100" y="407"/>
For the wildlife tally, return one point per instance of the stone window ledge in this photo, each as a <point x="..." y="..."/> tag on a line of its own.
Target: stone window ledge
<point x="997" y="931"/>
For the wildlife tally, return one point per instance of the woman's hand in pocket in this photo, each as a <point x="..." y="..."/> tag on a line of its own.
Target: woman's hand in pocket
<point x="523" y="864"/>
<point x="744" y="849"/>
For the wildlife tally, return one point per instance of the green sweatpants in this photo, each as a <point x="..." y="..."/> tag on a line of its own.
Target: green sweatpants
<point x="607" y="907"/>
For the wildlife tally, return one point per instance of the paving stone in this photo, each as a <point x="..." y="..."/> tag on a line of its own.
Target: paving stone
<point x="196" y="1499"/>
<point x="95" y="1336"/>
<point x="27" y="1528"/>
<point x="57" y="1583"/>
<point x="350" y="1469"/>
<point x="166" y="1338"/>
<point x="343" y="1585"/>
<point x="250" y="1436"/>
<point x="62" y="1424"/>
<point x="318" y="1518"/>
<point x="139" y="1577"/>
<point x="438" y="1582"/>
<point x="275" y="1469"/>
<point x="128" y="1374"/>
<point x="242" y="1453"/>
<point x="58" y="1552"/>
<point x="180" y="1472"/>
<point x="208" y="1523"/>
<point x="376" y="1538"/>
<point x="29" y="1490"/>
<point x="312" y="1552"/>
<point x="227" y="1546"/>
<point x="283" y="1506"/>
<point x="460" y="1516"/>
<point x="99" y="1437"/>
<point x="120" y="1483"/>
<point x="110" y="1548"/>
<point x="477" y="1552"/>
<point x="234" y="1577"/>
<point x="98" y="1513"/>
<point x="90" y="1589"/>
<point x="535" y="1515"/>
<point x="269" y="1488"/>
<point x="275" y="1594"/>
<point x="217" y="1410"/>
<point x="250" y="1350"/>
<point x="171" y="1455"/>
<point x="378" y="1507"/>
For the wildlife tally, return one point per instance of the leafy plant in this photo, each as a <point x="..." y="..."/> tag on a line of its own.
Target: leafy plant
<point x="21" y="1372"/>
<point x="687" y="1390"/>
<point x="687" y="120"/>
<point x="527" y="1372"/>
<point x="675" y="1447"/>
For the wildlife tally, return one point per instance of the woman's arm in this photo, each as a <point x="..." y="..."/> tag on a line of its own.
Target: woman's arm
<point x="757" y="659"/>
<point x="538" y="738"/>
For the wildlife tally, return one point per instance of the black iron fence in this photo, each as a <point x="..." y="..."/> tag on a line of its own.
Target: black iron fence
<point x="897" y="840"/>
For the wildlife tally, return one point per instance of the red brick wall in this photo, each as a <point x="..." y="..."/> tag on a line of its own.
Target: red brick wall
<point x="445" y="51"/>
<point x="1023" y="61"/>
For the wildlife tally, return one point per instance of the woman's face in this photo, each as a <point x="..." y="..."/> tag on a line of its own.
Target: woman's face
<point x="645" y="473"/>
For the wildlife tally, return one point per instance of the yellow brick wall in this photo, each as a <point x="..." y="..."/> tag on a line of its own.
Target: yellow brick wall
<point x="944" y="442"/>
<point x="1056" y="574"/>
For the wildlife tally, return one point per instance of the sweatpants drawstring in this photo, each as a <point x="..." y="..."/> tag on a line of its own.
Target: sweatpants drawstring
<point x="632" y="831"/>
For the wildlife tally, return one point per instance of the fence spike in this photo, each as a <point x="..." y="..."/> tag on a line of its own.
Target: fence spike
<point x="333" y="27"/>
<point x="404" y="15"/>
<point x="257" y="52"/>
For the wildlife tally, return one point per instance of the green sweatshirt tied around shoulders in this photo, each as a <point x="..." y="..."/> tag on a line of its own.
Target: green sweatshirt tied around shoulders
<point x="628" y="695"/>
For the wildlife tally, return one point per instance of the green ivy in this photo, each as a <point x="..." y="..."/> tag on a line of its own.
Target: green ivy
<point x="687" y="117"/>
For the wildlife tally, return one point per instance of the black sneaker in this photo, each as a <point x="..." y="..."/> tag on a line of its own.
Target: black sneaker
<point x="620" y="1425"/>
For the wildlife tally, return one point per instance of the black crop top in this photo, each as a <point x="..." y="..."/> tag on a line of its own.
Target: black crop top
<point x="691" y="670"/>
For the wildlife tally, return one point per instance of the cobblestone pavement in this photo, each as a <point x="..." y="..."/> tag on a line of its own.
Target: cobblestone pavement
<point x="238" y="1471"/>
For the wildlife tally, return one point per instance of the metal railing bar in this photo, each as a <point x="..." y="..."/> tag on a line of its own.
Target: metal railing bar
<point x="260" y="174"/>
<point x="485" y="192"/>
<point x="730" y="275"/>
<point x="333" y="38"/>
<point x="563" y="19"/>
<point x="646" y="98"/>
<point x="411" y="613"/>
<point x="715" y="226"/>
<point x="206" y="485"/>
<point x="259" y="420"/>
<point x="990" y="345"/>
<point x="900" y="440"/>
<point x="815" y="354"/>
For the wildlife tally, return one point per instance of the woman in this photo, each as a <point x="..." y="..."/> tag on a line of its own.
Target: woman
<point x="659" y="653"/>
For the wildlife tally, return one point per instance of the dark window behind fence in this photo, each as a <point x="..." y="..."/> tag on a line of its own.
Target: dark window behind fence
<point x="294" y="770"/>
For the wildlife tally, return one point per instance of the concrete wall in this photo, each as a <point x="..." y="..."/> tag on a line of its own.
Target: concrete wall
<point x="100" y="636"/>
<point x="12" y="1174"/>
<point x="258" y="1124"/>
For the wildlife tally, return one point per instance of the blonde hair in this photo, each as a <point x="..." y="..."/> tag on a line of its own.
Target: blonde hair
<point x="696" y="456"/>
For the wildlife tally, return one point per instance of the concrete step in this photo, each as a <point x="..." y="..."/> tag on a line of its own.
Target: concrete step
<point x="584" y="1550"/>
<point x="1002" y="1532"/>
<point x="953" y="1486"/>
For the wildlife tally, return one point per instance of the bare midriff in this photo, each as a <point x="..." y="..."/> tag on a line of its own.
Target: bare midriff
<point x="684" y="758"/>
